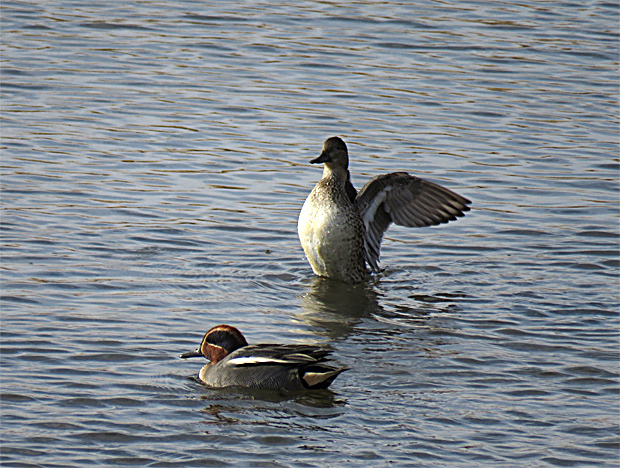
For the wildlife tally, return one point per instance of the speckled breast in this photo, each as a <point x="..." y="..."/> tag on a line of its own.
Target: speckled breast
<point x="332" y="236"/>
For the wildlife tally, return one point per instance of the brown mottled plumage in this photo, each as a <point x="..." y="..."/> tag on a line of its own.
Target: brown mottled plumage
<point x="330" y="228"/>
<point x="341" y="230"/>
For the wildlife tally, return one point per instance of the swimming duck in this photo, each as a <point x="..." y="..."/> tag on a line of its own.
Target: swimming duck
<point x="286" y="368"/>
<point x="341" y="230"/>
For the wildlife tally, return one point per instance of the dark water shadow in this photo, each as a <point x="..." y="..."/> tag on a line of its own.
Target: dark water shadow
<point x="314" y="398"/>
<point x="261" y="407"/>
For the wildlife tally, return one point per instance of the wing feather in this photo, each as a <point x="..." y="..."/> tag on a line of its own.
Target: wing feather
<point x="271" y="354"/>
<point x="405" y="200"/>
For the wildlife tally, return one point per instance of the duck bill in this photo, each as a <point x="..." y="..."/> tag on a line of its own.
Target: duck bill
<point x="195" y="353"/>
<point x="320" y="159"/>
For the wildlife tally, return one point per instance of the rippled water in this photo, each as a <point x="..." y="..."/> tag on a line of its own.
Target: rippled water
<point x="155" y="158"/>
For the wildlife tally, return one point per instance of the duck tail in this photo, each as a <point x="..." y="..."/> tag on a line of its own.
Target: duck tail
<point x="317" y="377"/>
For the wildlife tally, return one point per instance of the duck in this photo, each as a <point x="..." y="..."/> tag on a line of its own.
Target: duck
<point x="341" y="229"/>
<point x="278" y="367"/>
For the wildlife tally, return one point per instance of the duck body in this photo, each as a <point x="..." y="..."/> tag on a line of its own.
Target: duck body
<point x="331" y="232"/>
<point x="341" y="230"/>
<point x="285" y="368"/>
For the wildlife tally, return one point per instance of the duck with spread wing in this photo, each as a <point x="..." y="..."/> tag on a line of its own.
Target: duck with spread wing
<point x="341" y="230"/>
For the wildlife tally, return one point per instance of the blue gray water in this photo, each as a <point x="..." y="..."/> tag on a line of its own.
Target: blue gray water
<point x="154" y="161"/>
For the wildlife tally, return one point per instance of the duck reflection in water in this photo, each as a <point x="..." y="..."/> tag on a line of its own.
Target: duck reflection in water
<point x="336" y="307"/>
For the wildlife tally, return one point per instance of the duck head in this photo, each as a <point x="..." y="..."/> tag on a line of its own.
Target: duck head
<point x="218" y="343"/>
<point x="334" y="154"/>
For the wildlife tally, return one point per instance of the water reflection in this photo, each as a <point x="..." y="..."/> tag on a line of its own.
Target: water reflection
<point x="228" y="406"/>
<point x="335" y="308"/>
<point x="402" y="309"/>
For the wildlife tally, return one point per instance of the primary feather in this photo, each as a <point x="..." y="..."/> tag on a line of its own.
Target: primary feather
<point x="407" y="201"/>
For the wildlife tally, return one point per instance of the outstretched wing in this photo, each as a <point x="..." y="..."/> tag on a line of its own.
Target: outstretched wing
<point x="407" y="201"/>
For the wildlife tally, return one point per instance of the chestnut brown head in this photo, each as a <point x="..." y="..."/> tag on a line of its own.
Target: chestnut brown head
<point x="217" y="343"/>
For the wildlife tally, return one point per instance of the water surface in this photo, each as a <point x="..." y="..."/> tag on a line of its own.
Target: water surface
<point x="155" y="159"/>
